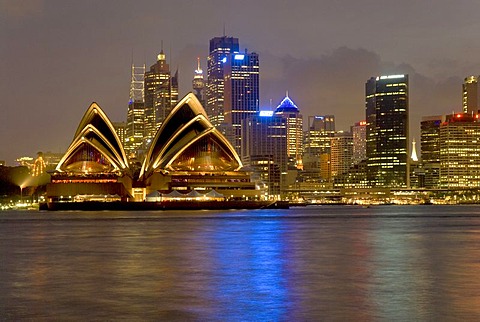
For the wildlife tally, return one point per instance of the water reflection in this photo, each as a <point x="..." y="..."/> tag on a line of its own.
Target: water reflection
<point x="333" y="263"/>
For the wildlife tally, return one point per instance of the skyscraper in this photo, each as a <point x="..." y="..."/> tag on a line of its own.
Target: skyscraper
<point x="430" y="148"/>
<point x="198" y="84"/>
<point x="294" y="120"/>
<point x="135" y="128"/>
<point x="359" y="132"/>
<point x="317" y="144"/>
<point x="460" y="151"/>
<point x="161" y="95"/>
<point x="470" y="95"/>
<point x="264" y="148"/>
<point x="341" y="158"/>
<point x="220" y="48"/>
<point x="241" y="92"/>
<point x="387" y="131"/>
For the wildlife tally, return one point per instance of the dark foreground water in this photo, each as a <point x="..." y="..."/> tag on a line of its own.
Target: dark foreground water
<point x="402" y="263"/>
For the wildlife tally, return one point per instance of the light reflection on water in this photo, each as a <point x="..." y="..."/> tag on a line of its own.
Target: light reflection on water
<point x="302" y="264"/>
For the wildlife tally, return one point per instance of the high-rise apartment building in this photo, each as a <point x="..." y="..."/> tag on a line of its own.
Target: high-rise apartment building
<point x="387" y="131"/>
<point x="241" y="92"/>
<point x="135" y="128"/>
<point x="294" y="120"/>
<point x="460" y="151"/>
<point x="161" y="95"/>
<point x="470" y="95"/>
<point x="359" y="133"/>
<point x="220" y="49"/>
<point x="198" y="84"/>
<point x="430" y="148"/>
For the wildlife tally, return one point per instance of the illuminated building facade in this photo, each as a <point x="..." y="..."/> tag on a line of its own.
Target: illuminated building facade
<point x="470" y="95"/>
<point x="135" y="129"/>
<point x="387" y="131"/>
<point x="294" y="121"/>
<point x="39" y="166"/>
<point x="241" y="93"/>
<point x="198" y="84"/>
<point x="264" y="149"/>
<point x="430" y="148"/>
<point x="220" y="49"/>
<point x="359" y="133"/>
<point x="120" y="128"/>
<point x="161" y="95"/>
<point x="95" y="163"/>
<point x="189" y="153"/>
<point x="341" y="155"/>
<point x="317" y="144"/>
<point x="459" y="138"/>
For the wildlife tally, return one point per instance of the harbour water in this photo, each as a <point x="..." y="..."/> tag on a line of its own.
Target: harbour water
<point x="334" y="263"/>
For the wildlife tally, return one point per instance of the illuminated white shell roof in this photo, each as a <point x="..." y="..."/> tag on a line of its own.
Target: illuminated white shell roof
<point x="96" y="146"/>
<point x="187" y="141"/>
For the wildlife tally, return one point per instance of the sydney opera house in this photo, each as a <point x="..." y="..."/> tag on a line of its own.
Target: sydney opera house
<point x="188" y="159"/>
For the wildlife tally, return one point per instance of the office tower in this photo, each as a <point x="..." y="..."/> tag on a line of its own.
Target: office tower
<point x="135" y="128"/>
<point x="470" y="95"/>
<point x="430" y="148"/>
<point x="264" y="149"/>
<point x="460" y="151"/>
<point x="161" y="95"/>
<point x="198" y="84"/>
<point x="341" y="155"/>
<point x="220" y="48"/>
<point x="120" y="129"/>
<point x="241" y="93"/>
<point x="294" y="120"/>
<point x="387" y="131"/>
<point x="316" y="157"/>
<point x="359" y="132"/>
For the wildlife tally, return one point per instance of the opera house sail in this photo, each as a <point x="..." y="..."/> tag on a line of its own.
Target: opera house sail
<point x="95" y="166"/>
<point x="188" y="153"/>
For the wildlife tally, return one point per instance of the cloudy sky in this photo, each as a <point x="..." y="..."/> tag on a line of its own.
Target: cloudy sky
<point x="56" y="57"/>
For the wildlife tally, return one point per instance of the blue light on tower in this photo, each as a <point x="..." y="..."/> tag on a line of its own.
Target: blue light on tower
<point x="239" y="56"/>
<point x="266" y="113"/>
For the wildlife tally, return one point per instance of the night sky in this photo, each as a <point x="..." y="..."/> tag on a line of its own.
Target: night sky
<point x="56" y="57"/>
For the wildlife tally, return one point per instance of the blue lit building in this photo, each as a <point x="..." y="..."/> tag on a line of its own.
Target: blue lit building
<point x="288" y="110"/>
<point x="241" y="92"/>
<point x="264" y="149"/>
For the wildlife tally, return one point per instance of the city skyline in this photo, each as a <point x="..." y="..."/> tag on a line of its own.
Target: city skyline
<point x="57" y="57"/>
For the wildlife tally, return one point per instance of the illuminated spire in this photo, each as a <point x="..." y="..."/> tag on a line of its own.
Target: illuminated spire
<point x="161" y="56"/>
<point x="198" y="71"/>
<point x="414" y="151"/>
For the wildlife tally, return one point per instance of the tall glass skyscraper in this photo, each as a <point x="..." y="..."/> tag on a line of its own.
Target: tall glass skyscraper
<point x="135" y="128"/>
<point x="220" y="49"/>
<point x="241" y="94"/>
<point x="387" y="131"/>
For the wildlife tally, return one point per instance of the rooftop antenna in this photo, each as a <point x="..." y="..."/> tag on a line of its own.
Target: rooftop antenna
<point x="286" y="93"/>
<point x="224" y="33"/>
